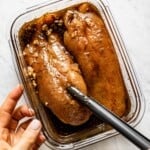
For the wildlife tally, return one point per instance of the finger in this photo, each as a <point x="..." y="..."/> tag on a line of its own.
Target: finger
<point x="21" y="112"/>
<point x="39" y="142"/>
<point x="11" y="100"/>
<point x="30" y="135"/>
<point x="40" y="139"/>
<point x="22" y="127"/>
<point x="20" y="130"/>
<point x="36" y="146"/>
<point x="4" y="119"/>
<point x="8" y="106"/>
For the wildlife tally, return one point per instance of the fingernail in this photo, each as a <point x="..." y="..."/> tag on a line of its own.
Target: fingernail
<point x="42" y="137"/>
<point x="31" y="111"/>
<point x="35" y="124"/>
<point x="19" y="86"/>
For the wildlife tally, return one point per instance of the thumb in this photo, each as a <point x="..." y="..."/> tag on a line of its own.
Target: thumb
<point x="29" y="136"/>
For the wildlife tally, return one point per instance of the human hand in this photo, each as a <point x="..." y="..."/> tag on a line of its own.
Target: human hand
<point x="25" y="137"/>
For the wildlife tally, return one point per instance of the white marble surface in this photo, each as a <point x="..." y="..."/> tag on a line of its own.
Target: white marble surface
<point x="133" y="20"/>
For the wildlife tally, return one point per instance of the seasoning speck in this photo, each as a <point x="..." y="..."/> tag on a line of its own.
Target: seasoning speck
<point x="46" y="103"/>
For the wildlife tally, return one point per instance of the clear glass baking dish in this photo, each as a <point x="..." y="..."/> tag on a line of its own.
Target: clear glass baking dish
<point x="89" y="134"/>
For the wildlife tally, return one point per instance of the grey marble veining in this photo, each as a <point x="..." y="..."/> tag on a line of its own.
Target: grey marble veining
<point x="133" y="20"/>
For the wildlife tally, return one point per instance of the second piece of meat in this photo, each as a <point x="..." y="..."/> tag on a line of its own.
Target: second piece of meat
<point x="89" y="42"/>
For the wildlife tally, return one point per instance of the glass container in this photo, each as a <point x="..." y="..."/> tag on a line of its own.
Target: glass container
<point x="65" y="137"/>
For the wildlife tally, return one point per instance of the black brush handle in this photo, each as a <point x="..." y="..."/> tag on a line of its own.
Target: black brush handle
<point x="102" y="113"/>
